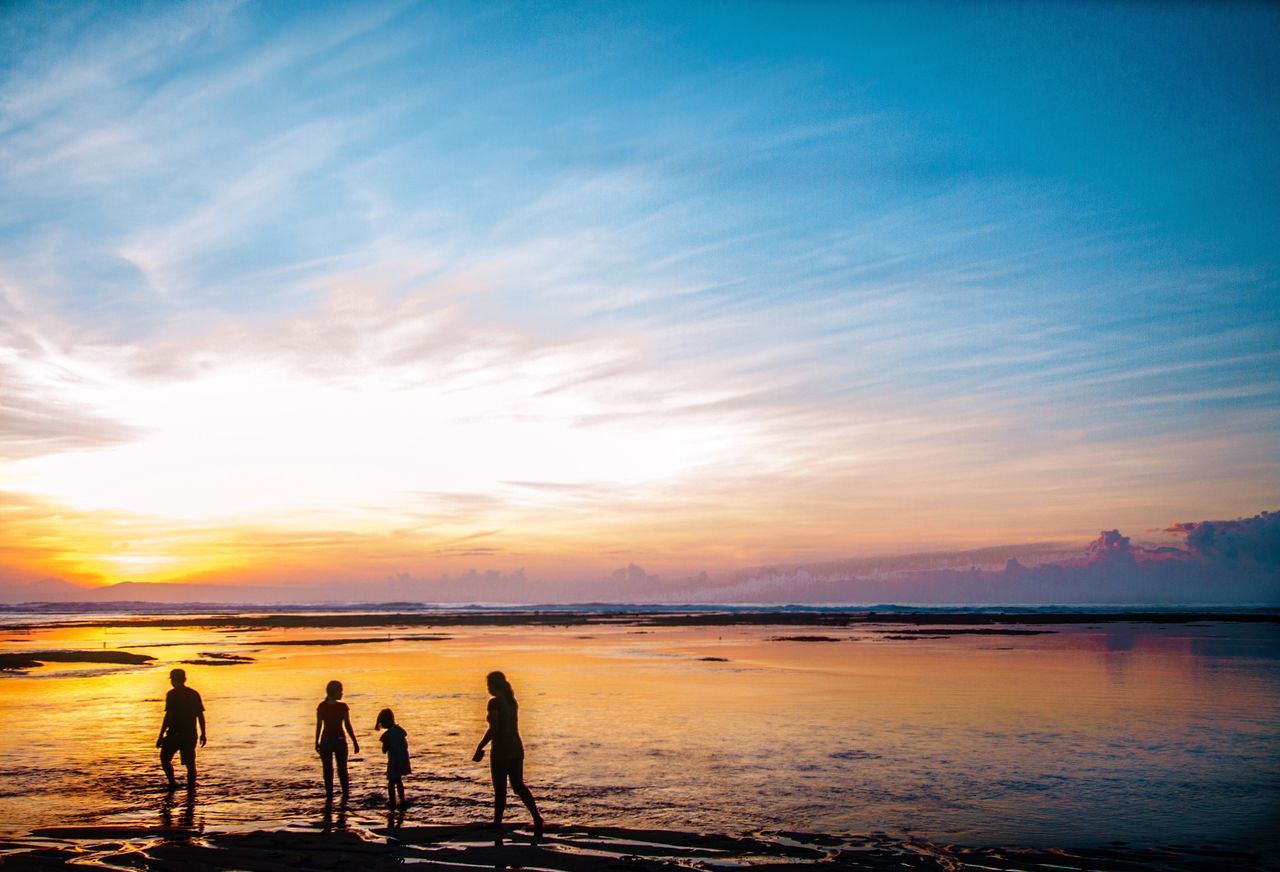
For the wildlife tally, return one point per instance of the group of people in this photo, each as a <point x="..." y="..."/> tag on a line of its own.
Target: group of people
<point x="184" y="711"/>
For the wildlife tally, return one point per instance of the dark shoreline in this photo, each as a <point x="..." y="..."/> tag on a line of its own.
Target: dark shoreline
<point x="228" y="619"/>
<point x="565" y="848"/>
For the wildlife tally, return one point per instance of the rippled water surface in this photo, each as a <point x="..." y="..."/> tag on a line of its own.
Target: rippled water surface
<point x="1150" y="734"/>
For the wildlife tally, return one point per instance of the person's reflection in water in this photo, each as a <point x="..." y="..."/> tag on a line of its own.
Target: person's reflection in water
<point x="183" y="709"/>
<point x="395" y="817"/>
<point x="330" y="822"/>
<point x="186" y="820"/>
<point x="506" y="758"/>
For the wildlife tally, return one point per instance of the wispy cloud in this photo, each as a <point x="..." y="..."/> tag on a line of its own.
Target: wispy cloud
<point x="404" y="274"/>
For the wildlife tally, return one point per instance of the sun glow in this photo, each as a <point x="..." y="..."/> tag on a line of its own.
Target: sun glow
<point x="258" y="442"/>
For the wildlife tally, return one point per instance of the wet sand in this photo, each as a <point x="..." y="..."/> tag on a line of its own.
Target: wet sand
<point x="340" y="841"/>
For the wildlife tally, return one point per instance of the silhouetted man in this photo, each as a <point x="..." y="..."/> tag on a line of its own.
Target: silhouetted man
<point x="183" y="709"/>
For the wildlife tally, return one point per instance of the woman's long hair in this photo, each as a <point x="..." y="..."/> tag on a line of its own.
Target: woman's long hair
<point x="499" y="686"/>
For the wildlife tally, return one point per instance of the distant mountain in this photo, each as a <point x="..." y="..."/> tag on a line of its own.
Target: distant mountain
<point x="49" y="590"/>
<point x="55" y="590"/>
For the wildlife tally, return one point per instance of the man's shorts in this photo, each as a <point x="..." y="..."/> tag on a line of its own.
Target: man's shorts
<point x="184" y="746"/>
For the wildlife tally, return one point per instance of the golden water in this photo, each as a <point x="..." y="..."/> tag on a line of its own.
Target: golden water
<point x="1148" y="734"/>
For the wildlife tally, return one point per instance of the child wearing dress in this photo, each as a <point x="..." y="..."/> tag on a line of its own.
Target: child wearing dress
<point x="395" y="744"/>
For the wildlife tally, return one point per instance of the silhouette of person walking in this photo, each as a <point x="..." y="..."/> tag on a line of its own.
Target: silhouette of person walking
<point x="183" y="709"/>
<point x="332" y="717"/>
<point x="506" y="758"/>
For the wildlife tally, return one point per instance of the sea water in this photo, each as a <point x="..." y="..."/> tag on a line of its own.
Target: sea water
<point x="1151" y="734"/>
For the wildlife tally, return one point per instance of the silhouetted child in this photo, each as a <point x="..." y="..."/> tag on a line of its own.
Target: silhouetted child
<point x="395" y="744"/>
<point x="332" y="717"/>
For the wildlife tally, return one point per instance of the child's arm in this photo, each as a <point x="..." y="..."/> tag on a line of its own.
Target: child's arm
<point x="317" y="731"/>
<point x="346" y="722"/>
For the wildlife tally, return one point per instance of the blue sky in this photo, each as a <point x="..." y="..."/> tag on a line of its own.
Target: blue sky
<point x="801" y="280"/>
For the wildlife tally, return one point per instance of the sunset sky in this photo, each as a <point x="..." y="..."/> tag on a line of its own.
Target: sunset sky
<point x="337" y="291"/>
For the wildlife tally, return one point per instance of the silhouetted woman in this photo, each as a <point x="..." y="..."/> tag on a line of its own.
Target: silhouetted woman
<point x="332" y="717"/>
<point x="506" y="758"/>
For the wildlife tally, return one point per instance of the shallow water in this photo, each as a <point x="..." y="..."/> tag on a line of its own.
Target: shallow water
<point x="1148" y="734"/>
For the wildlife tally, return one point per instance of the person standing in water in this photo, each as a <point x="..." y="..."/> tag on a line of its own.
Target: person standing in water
<point x="395" y="744"/>
<point x="183" y="709"/>
<point x="332" y="716"/>
<point x="506" y="758"/>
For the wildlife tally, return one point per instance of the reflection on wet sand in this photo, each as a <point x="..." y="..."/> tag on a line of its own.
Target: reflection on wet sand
<point x="572" y="849"/>
<point x="334" y="816"/>
<point x="186" y="818"/>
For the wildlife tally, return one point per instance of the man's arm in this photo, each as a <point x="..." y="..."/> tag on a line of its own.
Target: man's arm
<point x="318" y="729"/>
<point x="164" y="725"/>
<point x="203" y="732"/>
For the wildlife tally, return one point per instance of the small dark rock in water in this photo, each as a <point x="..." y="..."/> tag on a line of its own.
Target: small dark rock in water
<point x="804" y="639"/>
<point x="912" y="638"/>
<point x="921" y="632"/>
<point x="810" y="838"/>
<point x="714" y="659"/>
<point x="27" y="659"/>
<point x="854" y="754"/>
<point x="215" y="658"/>
<point x="367" y="640"/>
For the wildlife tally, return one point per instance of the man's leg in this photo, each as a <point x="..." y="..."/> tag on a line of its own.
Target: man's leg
<point x="166" y="763"/>
<point x="189" y="760"/>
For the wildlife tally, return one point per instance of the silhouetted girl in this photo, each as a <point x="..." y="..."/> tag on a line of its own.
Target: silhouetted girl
<point x="395" y="744"/>
<point x="332" y="717"/>
<point x="506" y="759"/>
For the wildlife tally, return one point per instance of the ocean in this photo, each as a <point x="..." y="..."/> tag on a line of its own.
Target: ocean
<point x="1067" y="735"/>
